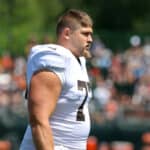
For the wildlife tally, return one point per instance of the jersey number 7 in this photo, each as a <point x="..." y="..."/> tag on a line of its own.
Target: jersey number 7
<point x="80" y="115"/>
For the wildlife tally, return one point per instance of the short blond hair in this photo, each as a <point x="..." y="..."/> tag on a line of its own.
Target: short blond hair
<point x="73" y="19"/>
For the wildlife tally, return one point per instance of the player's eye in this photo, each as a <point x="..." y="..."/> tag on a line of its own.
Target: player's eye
<point x="86" y="34"/>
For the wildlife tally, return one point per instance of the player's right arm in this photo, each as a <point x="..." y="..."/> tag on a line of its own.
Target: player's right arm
<point x="45" y="89"/>
<point x="45" y="76"/>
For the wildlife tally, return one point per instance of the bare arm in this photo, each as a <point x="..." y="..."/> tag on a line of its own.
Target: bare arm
<point x="45" y="89"/>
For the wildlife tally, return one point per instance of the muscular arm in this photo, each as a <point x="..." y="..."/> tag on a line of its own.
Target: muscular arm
<point x="44" y="91"/>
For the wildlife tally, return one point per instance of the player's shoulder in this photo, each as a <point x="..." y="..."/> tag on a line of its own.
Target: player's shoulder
<point x="49" y="55"/>
<point x="49" y="49"/>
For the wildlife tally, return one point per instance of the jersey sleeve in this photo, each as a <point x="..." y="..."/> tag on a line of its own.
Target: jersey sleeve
<point x="46" y="59"/>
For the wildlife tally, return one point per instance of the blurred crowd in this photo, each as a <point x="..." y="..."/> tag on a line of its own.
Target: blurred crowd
<point x="94" y="144"/>
<point x="120" y="81"/>
<point x="121" y="90"/>
<point x="120" y="86"/>
<point x="13" y="114"/>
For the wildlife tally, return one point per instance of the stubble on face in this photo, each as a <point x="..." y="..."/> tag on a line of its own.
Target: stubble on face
<point x="83" y="51"/>
<point x="86" y="53"/>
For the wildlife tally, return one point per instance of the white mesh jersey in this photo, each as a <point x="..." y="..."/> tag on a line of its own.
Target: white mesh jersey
<point x="70" y="122"/>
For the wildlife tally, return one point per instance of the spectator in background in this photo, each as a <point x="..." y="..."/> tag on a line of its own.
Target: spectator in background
<point x="122" y="145"/>
<point x="7" y="62"/>
<point x="92" y="143"/>
<point x="145" y="147"/>
<point x="104" y="146"/>
<point x="102" y="92"/>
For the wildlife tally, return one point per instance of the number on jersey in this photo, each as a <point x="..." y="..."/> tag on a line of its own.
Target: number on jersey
<point x="80" y="115"/>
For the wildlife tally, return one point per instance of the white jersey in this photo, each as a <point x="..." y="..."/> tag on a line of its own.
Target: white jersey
<point x="70" y="122"/>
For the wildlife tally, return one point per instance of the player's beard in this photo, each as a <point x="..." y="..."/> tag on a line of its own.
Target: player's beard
<point x="86" y="53"/>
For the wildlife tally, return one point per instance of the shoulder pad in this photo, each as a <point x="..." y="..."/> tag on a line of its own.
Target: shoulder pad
<point x="46" y="57"/>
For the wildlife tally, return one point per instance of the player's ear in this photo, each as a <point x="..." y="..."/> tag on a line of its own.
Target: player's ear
<point x="67" y="32"/>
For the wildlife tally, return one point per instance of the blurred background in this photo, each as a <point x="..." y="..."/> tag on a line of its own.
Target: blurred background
<point x="119" y="69"/>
